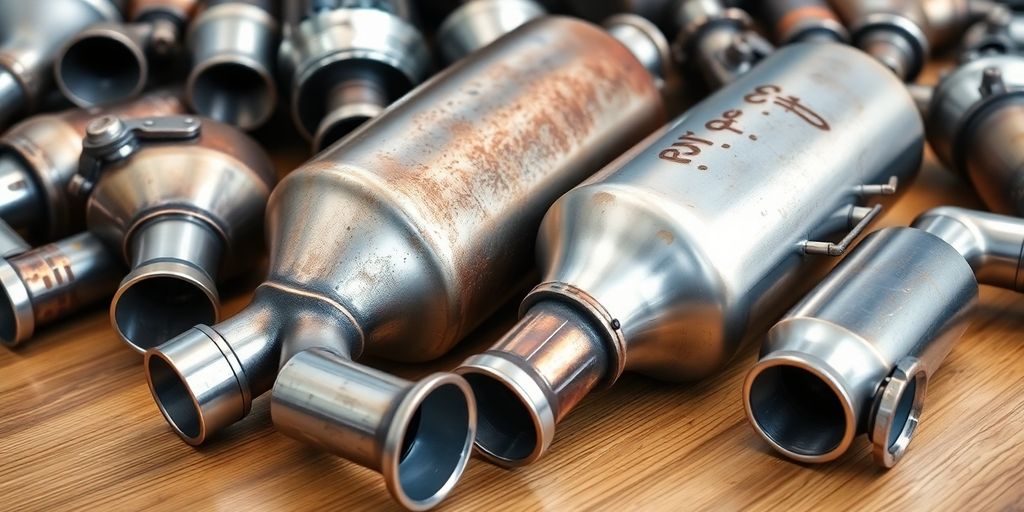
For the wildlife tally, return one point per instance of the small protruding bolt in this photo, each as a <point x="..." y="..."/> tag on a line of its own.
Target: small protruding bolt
<point x="104" y="130"/>
<point x="992" y="82"/>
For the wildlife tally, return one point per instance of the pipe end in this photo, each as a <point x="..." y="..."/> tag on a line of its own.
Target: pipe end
<point x="232" y="90"/>
<point x="429" y="441"/>
<point x="343" y="121"/>
<point x="516" y="416"/>
<point x="101" y="65"/>
<point x="801" y="409"/>
<point x="199" y="388"/>
<point x="160" y="300"/>
<point x="17" y="318"/>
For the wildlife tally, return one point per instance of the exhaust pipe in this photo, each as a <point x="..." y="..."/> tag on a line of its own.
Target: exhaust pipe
<point x="27" y="56"/>
<point x="38" y="157"/>
<point x="793" y="21"/>
<point x="347" y="64"/>
<point x="183" y="199"/>
<point x="110" y="62"/>
<point x="42" y="285"/>
<point x="856" y="354"/>
<point x="947" y="20"/>
<point x="477" y="23"/>
<point x="233" y="45"/>
<point x="1001" y="32"/>
<point x="400" y="250"/>
<point x="718" y="41"/>
<point x="673" y="256"/>
<point x="892" y="31"/>
<point x="974" y="125"/>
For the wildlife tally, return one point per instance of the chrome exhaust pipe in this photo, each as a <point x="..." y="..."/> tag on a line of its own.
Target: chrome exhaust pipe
<point x="674" y="255"/>
<point x="400" y="250"/>
<point x="183" y="199"/>
<point x="856" y="354"/>
<point x="793" y="21"/>
<point x="111" y="62"/>
<point x="975" y="120"/>
<point x="347" y="64"/>
<point x="718" y="41"/>
<point x="27" y="56"/>
<point x="233" y="45"/>
<point x="39" y="155"/>
<point x="477" y="23"/>
<point x="42" y="285"/>
<point x="892" y="31"/>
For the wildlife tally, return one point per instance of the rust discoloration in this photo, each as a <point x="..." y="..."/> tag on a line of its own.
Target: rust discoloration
<point x="666" y="236"/>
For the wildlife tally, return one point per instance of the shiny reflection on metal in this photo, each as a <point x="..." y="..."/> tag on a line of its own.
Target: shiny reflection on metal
<point x="346" y="64"/>
<point x="400" y="249"/>
<point x="948" y="19"/>
<point x="794" y="21"/>
<point x="670" y="257"/>
<point x="40" y="155"/>
<point x="31" y="36"/>
<point x="1000" y="32"/>
<point x="975" y="120"/>
<point x="47" y="283"/>
<point x="101" y="65"/>
<point x="478" y="23"/>
<point x="892" y="31"/>
<point x="233" y="47"/>
<point x="863" y="363"/>
<point x="185" y="211"/>
<point x="719" y="41"/>
<point x="646" y="42"/>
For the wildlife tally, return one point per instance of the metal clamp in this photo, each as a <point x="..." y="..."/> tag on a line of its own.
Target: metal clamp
<point x="109" y="139"/>
<point x="863" y="218"/>
<point x="897" y="411"/>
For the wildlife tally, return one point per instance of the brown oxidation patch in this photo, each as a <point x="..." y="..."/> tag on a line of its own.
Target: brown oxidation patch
<point x="604" y="198"/>
<point x="666" y="237"/>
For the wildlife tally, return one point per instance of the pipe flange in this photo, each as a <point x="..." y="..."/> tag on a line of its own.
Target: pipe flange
<point x="606" y="323"/>
<point x="896" y="411"/>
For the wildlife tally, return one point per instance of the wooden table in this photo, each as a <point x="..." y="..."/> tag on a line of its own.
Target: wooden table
<point x="78" y="430"/>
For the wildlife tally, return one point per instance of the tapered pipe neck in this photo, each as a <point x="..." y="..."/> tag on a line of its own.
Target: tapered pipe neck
<point x="172" y="283"/>
<point x="532" y="378"/>
<point x="992" y="244"/>
<point x="893" y="50"/>
<point x="418" y="434"/>
<point x="350" y="104"/>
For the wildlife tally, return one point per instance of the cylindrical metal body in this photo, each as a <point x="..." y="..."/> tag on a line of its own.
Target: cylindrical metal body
<point x="183" y="214"/>
<point x="947" y="19"/>
<point x="974" y="126"/>
<point x="802" y="20"/>
<point x="404" y="237"/>
<point x="31" y="35"/>
<point x="1000" y="33"/>
<point x="478" y="23"/>
<point x="347" y="63"/>
<point x="892" y="31"/>
<point x="233" y="46"/>
<point x="674" y="254"/>
<point x="110" y="62"/>
<point x="855" y="355"/>
<point x="53" y="281"/>
<point x="39" y="156"/>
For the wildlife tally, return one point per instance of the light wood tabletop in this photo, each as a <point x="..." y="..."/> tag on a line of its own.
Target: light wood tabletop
<point x="78" y="430"/>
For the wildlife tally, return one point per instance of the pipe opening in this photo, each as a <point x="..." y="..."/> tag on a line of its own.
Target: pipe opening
<point x="435" y="444"/>
<point x="8" y="320"/>
<point x="174" y="398"/>
<point x="505" y="425"/>
<point x="797" y="410"/>
<point x="233" y="93"/>
<point x="99" y="69"/>
<point x="155" y="309"/>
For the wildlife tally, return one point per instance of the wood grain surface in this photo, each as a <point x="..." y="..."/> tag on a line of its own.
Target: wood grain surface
<point x="78" y="430"/>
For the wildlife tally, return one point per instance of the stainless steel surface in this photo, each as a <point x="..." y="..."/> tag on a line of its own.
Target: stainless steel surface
<point x="856" y="354"/>
<point x="184" y="213"/>
<point x="31" y="35"/>
<point x="695" y="239"/>
<point x="893" y="31"/>
<point x="646" y="42"/>
<point x="402" y="238"/>
<point x="46" y="149"/>
<point x="718" y="41"/>
<point x="974" y="125"/>
<point x="111" y="62"/>
<point x="478" y="23"/>
<point x="333" y="52"/>
<point x="948" y="19"/>
<point x="233" y="46"/>
<point x="1000" y="32"/>
<point x="50" y="282"/>
<point x="802" y="20"/>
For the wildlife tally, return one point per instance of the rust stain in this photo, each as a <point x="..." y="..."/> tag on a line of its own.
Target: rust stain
<point x="666" y="237"/>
